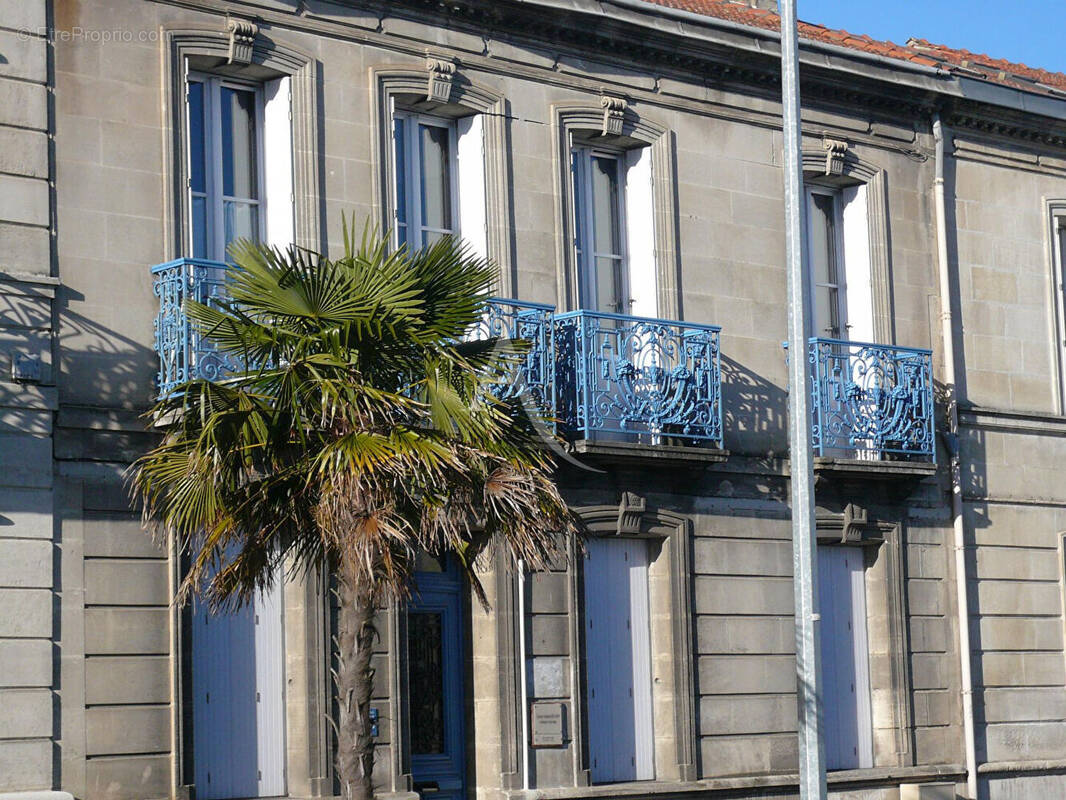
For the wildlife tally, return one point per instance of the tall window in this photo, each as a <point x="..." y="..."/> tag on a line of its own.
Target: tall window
<point x="826" y="250"/>
<point x="225" y="168"/>
<point x="426" y="188"/>
<point x="599" y="225"/>
<point x="838" y="254"/>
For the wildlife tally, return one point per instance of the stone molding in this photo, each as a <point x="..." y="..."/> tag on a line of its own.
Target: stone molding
<point x="471" y="98"/>
<point x="835" y="150"/>
<point x="634" y="518"/>
<point x="509" y="662"/>
<point x="614" y="112"/>
<point x="400" y="777"/>
<point x="634" y="131"/>
<point x="441" y="74"/>
<point x="972" y="119"/>
<point x="1055" y="222"/>
<point x="882" y="542"/>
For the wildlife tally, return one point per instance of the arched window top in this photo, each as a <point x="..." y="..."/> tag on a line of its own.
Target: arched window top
<point x="633" y="517"/>
<point x="836" y="165"/>
<point x="440" y="87"/>
<point x="611" y="123"/>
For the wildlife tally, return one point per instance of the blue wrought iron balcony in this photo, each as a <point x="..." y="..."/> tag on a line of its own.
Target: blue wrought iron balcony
<point x="872" y="401"/>
<point x="597" y="375"/>
<point x="183" y="354"/>
<point x="653" y="378"/>
<point x="535" y="370"/>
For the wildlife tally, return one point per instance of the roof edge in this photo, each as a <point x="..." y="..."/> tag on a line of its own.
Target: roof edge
<point x="922" y="78"/>
<point x="775" y="36"/>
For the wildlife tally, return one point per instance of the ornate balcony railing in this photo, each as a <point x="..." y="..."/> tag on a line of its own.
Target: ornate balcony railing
<point x="534" y="371"/>
<point x="183" y="353"/>
<point x="870" y="400"/>
<point x="635" y="375"/>
<point x="595" y="374"/>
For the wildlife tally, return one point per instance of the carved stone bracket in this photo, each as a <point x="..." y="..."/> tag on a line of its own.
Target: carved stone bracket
<point x="855" y="519"/>
<point x="630" y="512"/>
<point x="614" y="112"/>
<point x="834" y="155"/>
<point x="242" y="35"/>
<point x="851" y="526"/>
<point x="441" y="73"/>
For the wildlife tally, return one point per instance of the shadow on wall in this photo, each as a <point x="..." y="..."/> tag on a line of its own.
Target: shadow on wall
<point x="974" y="470"/>
<point x="977" y="672"/>
<point x="951" y="225"/>
<point x="99" y="366"/>
<point x="754" y="411"/>
<point x="977" y="517"/>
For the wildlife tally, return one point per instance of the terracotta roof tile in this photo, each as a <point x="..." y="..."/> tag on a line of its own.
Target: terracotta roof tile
<point x="917" y="51"/>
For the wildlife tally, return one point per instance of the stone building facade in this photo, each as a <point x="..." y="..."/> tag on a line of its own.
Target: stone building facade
<point x="116" y="123"/>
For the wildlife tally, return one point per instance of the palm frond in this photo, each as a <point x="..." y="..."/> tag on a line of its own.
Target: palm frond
<point x="365" y="426"/>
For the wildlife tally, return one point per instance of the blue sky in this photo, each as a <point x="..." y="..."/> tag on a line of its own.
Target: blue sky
<point x="1030" y="31"/>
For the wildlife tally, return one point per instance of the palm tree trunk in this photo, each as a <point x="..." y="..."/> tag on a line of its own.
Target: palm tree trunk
<point x="355" y="676"/>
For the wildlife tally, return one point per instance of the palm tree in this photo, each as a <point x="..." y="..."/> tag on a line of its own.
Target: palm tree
<point x="363" y="430"/>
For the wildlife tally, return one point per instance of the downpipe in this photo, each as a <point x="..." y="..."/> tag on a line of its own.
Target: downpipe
<point x="952" y="441"/>
<point x="523" y="688"/>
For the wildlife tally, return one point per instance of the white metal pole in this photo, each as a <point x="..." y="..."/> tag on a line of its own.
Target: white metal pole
<point x="962" y="602"/>
<point x="804" y="541"/>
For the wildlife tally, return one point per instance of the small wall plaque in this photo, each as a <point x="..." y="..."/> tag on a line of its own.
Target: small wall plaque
<point x="25" y="369"/>
<point x="547" y="727"/>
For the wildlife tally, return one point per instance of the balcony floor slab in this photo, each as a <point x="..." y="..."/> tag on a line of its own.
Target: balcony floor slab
<point x="629" y="452"/>
<point x="859" y="469"/>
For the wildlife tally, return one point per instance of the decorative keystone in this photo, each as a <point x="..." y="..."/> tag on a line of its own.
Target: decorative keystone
<point x="441" y="73"/>
<point x="630" y="512"/>
<point x="614" y="112"/>
<point x="242" y="35"/>
<point x="854" y="521"/>
<point x="834" y="155"/>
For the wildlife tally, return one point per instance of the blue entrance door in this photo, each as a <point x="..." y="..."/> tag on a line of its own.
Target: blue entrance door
<point x="435" y="685"/>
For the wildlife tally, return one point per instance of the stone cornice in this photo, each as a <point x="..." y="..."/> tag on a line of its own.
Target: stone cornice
<point x="736" y="69"/>
<point x="1026" y="128"/>
<point x="672" y="57"/>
